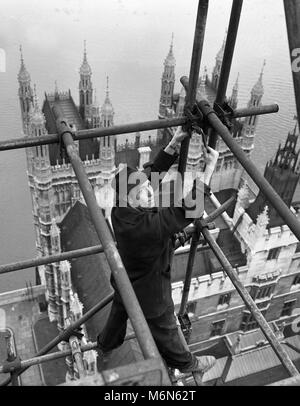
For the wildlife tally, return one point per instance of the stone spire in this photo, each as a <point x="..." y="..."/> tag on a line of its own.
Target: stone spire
<point x="167" y="83"/>
<point x="85" y="68"/>
<point x="36" y="117"/>
<point x="25" y="93"/>
<point x="55" y="237"/>
<point x="257" y="93"/>
<point x="85" y="87"/>
<point x="170" y="59"/>
<point x="220" y="54"/>
<point x="76" y="307"/>
<point x="107" y="111"/>
<point x="233" y="101"/>
<point x="94" y="118"/>
<point x="23" y="75"/>
<point x="262" y="220"/>
<point x="258" y="88"/>
<point x="217" y="69"/>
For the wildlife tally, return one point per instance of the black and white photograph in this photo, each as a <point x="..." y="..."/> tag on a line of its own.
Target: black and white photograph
<point x="149" y="196"/>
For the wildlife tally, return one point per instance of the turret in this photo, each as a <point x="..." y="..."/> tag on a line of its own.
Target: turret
<point x="25" y="93"/>
<point x="233" y="100"/>
<point x="167" y="83"/>
<point x="94" y="116"/>
<point x="107" y="111"/>
<point x="282" y="173"/>
<point x="257" y="93"/>
<point x="36" y="128"/>
<point x="85" y="87"/>
<point x="55" y="238"/>
<point x="217" y="69"/>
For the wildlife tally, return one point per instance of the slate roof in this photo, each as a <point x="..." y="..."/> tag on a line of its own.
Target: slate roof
<point x="259" y="365"/>
<point x="87" y="148"/>
<point x="54" y="372"/>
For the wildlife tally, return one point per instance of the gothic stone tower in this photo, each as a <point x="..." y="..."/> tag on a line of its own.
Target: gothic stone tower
<point x="25" y="93"/>
<point x="167" y="84"/>
<point x="52" y="182"/>
<point x="283" y="174"/>
<point x="85" y="87"/>
<point x="107" y="145"/>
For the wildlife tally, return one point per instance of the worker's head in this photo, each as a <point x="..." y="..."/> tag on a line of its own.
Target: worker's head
<point x="133" y="188"/>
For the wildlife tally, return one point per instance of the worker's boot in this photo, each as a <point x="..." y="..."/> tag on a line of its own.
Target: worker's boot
<point x="103" y="359"/>
<point x="201" y="365"/>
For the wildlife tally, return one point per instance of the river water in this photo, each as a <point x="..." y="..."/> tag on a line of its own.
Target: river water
<point x="127" y="40"/>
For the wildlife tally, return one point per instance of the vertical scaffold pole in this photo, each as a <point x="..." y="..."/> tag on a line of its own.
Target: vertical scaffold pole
<point x="226" y="65"/>
<point x="227" y="59"/>
<point x="194" y="75"/>
<point x="190" y="100"/>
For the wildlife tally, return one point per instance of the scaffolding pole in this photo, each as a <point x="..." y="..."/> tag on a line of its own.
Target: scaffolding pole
<point x="192" y="254"/>
<point x="26" y="142"/>
<point x="64" y="256"/>
<point x="194" y="76"/>
<point x="227" y="60"/>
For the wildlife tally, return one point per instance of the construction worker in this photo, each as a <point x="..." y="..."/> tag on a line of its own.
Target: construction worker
<point x="144" y="236"/>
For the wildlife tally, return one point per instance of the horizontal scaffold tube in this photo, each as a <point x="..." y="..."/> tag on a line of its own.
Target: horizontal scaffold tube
<point x="64" y="256"/>
<point x="69" y="255"/>
<point x="25" y="142"/>
<point x="54" y="355"/>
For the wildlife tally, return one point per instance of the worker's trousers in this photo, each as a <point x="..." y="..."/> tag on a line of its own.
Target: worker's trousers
<point x="163" y="328"/>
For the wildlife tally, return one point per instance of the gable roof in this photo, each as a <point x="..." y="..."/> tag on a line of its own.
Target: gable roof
<point x="90" y="275"/>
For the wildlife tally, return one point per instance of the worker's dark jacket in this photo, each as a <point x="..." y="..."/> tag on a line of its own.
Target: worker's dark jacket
<point x="144" y="243"/>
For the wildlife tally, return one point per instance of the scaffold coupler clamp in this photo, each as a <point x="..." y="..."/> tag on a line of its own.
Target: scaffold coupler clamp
<point x="12" y="366"/>
<point x="202" y="223"/>
<point x="77" y="332"/>
<point x="194" y="119"/>
<point x="182" y="237"/>
<point x="224" y="111"/>
<point x="64" y="128"/>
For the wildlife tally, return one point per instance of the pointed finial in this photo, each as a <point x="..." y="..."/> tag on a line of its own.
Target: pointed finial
<point x="263" y="218"/>
<point x="35" y="98"/>
<point x="21" y="52"/>
<point x="263" y="68"/>
<point x="236" y="85"/>
<point x="56" y="87"/>
<point x="107" y="88"/>
<point x="172" y="41"/>
<point x="84" y="51"/>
